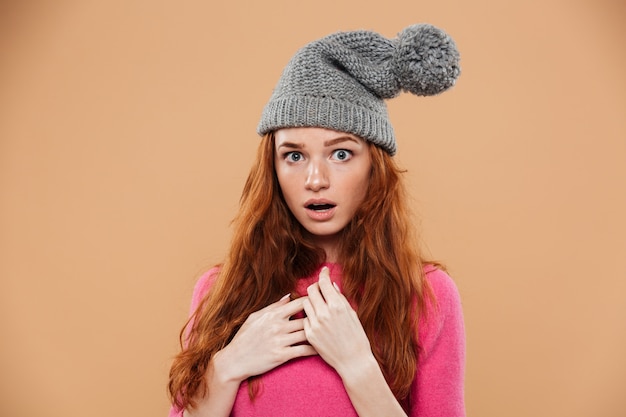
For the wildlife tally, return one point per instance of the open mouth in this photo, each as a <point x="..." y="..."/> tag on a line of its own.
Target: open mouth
<point x="320" y="207"/>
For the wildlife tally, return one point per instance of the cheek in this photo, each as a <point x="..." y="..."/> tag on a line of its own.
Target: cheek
<point x="361" y="184"/>
<point x="362" y="193"/>
<point x="286" y="186"/>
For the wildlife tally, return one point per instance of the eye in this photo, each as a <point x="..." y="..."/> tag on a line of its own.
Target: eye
<point x="293" y="156"/>
<point x="342" y="154"/>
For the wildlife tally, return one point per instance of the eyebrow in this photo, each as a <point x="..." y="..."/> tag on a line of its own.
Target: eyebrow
<point x="339" y="140"/>
<point x="330" y="142"/>
<point x="291" y="145"/>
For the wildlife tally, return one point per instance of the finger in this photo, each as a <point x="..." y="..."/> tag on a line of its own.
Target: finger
<point x="324" y="274"/>
<point x="294" y="338"/>
<point x="310" y="314"/>
<point x="292" y="307"/>
<point x="316" y="300"/>
<point x="284" y="300"/>
<point x="294" y="325"/>
<point x="328" y="289"/>
<point x="301" y="350"/>
<point x="324" y="280"/>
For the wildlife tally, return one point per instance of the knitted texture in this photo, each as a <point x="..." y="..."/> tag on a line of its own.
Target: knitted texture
<point x="340" y="81"/>
<point x="310" y="387"/>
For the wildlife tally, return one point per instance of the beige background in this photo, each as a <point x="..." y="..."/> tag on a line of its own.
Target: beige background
<point x="127" y="130"/>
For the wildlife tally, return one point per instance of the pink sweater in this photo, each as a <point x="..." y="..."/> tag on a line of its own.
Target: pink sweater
<point x="309" y="387"/>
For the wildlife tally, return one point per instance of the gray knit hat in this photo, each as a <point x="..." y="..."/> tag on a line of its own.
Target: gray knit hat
<point x="340" y="81"/>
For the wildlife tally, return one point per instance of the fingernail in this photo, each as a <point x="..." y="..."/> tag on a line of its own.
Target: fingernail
<point x="285" y="296"/>
<point x="325" y="271"/>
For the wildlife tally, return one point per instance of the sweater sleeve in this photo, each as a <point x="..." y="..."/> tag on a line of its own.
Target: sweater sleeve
<point x="438" y="389"/>
<point x="201" y="289"/>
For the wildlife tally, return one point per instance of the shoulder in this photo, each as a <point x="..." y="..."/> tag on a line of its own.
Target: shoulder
<point x="203" y="286"/>
<point x="443" y="289"/>
<point x="442" y="314"/>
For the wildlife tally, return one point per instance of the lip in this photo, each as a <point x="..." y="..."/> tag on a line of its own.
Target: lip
<point x="320" y="215"/>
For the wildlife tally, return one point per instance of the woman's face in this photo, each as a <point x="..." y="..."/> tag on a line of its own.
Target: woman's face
<point x="324" y="175"/>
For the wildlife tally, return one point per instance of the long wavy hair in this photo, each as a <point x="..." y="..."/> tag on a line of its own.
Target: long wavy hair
<point x="380" y="259"/>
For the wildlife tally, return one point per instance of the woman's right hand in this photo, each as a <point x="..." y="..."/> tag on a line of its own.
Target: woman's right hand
<point x="268" y="338"/>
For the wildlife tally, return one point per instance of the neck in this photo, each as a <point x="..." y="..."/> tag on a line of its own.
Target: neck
<point x="330" y="244"/>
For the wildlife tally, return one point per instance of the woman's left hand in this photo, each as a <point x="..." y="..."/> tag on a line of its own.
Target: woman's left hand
<point x="333" y="328"/>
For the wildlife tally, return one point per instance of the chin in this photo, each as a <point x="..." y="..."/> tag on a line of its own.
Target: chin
<point x="324" y="231"/>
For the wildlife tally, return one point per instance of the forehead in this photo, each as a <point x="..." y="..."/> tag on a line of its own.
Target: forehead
<point x="304" y="135"/>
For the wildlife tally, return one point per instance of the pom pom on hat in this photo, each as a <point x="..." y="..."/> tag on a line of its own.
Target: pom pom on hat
<point x="426" y="61"/>
<point x="340" y="81"/>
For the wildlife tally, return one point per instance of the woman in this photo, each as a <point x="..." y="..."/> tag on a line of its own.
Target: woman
<point x="324" y="304"/>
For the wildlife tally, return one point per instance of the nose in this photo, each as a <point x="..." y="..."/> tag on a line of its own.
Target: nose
<point x="317" y="176"/>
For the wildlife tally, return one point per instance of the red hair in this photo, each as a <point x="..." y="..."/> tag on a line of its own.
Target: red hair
<point x="380" y="259"/>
